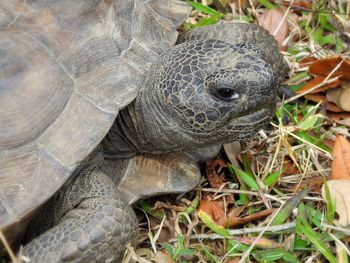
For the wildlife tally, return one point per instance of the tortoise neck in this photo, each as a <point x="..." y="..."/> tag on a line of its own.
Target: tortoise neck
<point x="142" y="127"/>
<point x="121" y="140"/>
<point x="128" y="135"/>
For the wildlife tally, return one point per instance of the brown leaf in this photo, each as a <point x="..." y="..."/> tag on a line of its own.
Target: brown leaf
<point x="307" y="61"/>
<point x="236" y="221"/>
<point x="316" y="97"/>
<point x="236" y="211"/>
<point x="344" y="99"/>
<point x="317" y="81"/>
<point x="342" y="118"/>
<point x="341" y="159"/>
<point x="162" y="256"/>
<point x="290" y="151"/>
<point x="234" y="260"/>
<point x="314" y="184"/>
<point x="263" y="242"/>
<point x="324" y="67"/>
<point x="217" y="213"/>
<point x="289" y="168"/>
<point x="298" y="5"/>
<point x="270" y="20"/>
<point x="341" y="24"/>
<point x="339" y="190"/>
<point x="213" y="209"/>
<point x="345" y="122"/>
<point x="333" y="95"/>
<point x="232" y="150"/>
<point x="332" y="107"/>
<point x="329" y="143"/>
<point x="215" y="180"/>
<point x="340" y="96"/>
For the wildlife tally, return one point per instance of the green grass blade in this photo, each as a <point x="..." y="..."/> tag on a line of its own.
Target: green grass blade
<point x="245" y="177"/>
<point x="211" y="224"/>
<point x="205" y="9"/>
<point x="272" y="178"/>
<point x="288" y="207"/>
<point x="329" y="203"/>
<point x="312" y="236"/>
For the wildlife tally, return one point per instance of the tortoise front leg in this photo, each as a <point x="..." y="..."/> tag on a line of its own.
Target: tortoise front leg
<point x="155" y="174"/>
<point x="92" y="223"/>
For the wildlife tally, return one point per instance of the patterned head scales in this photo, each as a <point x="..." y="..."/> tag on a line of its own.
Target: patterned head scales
<point x="210" y="92"/>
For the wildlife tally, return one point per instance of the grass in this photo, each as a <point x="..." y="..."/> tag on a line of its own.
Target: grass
<point x="293" y="155"/>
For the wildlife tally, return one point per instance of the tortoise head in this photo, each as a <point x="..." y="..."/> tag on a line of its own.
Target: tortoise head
<point x="202" y="93"/>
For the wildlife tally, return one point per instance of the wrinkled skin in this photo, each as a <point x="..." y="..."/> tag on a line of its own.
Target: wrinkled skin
<point x="197" y="94"/>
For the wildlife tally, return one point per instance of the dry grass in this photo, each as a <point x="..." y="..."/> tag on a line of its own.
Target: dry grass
<point x="180" y="235"/>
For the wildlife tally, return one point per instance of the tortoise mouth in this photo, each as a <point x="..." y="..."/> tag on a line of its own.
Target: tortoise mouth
<point x="258" y="114"/>
<point x="248" y="124"/>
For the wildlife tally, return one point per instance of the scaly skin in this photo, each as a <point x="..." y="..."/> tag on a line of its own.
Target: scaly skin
<point x="242" y="33"/>
<point x="197" y="94"/>
<point x="88" y="220"/>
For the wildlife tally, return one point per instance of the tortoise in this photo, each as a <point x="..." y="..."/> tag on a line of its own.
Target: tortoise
<point x="103" y="103"/>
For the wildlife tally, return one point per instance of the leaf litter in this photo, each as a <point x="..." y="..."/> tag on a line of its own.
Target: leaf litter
<point x="283" y="197"/>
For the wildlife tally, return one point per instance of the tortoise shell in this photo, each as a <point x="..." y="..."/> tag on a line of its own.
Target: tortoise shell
<point x="66" y="69"/>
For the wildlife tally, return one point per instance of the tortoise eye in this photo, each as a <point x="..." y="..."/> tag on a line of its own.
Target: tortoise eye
<point x="226" y="94"/>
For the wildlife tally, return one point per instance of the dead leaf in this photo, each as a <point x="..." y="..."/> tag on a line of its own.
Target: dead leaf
<point x="215" y="210"/>
<point x="342" y="118"/>
<point x="290" y="151"/>
<point x="341" y="24"/>
<point x="289" y="167"/>
<point x="270" y="20"/>
<point x="263" y="242"/>
<point x="344" y="99"/>
<point x="317" y="81"/>
<point x="236" y="221"/>
<point x="324" y="67"/>
<point x="234" y="260"/>
<point x="341" y="159"/>
<point x="333" y="95"/>
<point x="298" y="5"/>
<point x="307" y="61"/>
<point x="162" y="256"/>
<point x="314" y="184"/>
<point x="214" y="178"/>
<point x="345" y="122"/>
<point x="328" y="142"/>
<point x="316" y="97"/>
<point x="160" y="205"/>
<point x="332" y="107"/>
<point x="339" y="190"/>
<point x="340" y="96"/>
<point x="232" y="151"/>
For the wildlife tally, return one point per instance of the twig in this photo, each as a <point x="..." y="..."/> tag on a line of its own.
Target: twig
<point x="283" y="18"/>
<point x="327" y="154"/>
<point x="340" y="244"/>
<point x="243" y="231"/>
<point x="340" y="229"/>
<point x="323" y="83"/>
<point x="256" y="240"/>
<point x="233" y="191"/>
<point x="8" y="248"/>
<point x="326" y="81"/>
<point x="253" y="9"/>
